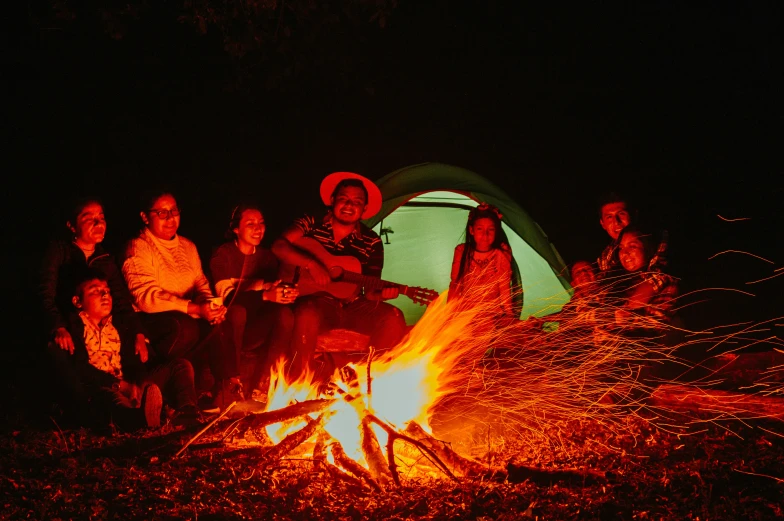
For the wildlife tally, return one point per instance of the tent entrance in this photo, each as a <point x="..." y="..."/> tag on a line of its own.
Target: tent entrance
<point x="419" y="241"/>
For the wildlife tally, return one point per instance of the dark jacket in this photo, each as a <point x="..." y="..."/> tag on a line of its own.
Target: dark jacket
<point x="61" y="264"/>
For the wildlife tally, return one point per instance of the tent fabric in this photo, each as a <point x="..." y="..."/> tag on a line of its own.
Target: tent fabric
<point x="423" y="218"/>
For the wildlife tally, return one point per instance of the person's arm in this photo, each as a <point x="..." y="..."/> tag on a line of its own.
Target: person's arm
<point x="49" y="276"/>
<point x="140" y="275"/>
<point x="453" y="284"/>
<point x="505" y="282"/>
<point x="286" y="252"/>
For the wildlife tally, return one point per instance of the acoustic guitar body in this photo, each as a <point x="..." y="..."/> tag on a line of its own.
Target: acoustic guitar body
<point x="335" y="264"/>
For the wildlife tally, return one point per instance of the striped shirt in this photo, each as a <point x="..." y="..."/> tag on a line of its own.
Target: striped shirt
<point x="363" y="243"/>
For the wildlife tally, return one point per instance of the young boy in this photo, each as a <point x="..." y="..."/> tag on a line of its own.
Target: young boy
<point x="103" y="376"/>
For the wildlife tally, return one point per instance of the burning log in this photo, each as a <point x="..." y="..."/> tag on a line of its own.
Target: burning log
<point x="339" y="475"/>
<point x="294" y="439"/>
<point x="684" y="397"/>
<point x="395" y="435"/>
<point x="373" y="455"/>
<point x="257" y="421"/>
<point x="458" y="463"/>
<point x="514" y="473"/>
<point x="342" y="459"/>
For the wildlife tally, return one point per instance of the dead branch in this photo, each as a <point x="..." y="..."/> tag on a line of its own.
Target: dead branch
<point x="342" y="459"/>
<point x="257" y="421"/>
<point x="294" y="439"/>
<point x="340" y="475"/>
<point x="395" y="435"/>
<point x="460" y="464"/>
<point x="372" y="451"/>
<point x="205" y="429"/>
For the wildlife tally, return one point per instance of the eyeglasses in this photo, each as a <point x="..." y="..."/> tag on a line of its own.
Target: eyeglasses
<point x="164" y="214"/>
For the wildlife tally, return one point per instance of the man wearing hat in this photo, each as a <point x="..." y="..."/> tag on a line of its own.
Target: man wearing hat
<point x="350" y="198"/>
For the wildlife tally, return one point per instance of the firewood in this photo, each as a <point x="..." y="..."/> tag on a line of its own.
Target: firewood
<point x="294" y="439"/>
<point x="740" y="405"/>
<point x="373" y="455"/>
<point x="205" y="429"/>
<point x="342" y="459"/>
<point x="455" y="461"/>
<point x="341" y="476"/>
<point x="395" y="435"/>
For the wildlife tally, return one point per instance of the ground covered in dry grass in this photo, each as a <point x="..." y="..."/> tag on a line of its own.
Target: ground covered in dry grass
<point x="729" y="471"/>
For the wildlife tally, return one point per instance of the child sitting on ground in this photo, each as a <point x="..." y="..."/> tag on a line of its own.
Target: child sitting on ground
<point x="103" y="378"/>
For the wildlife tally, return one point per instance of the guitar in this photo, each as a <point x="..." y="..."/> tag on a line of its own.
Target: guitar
<point x="346" y="274"/>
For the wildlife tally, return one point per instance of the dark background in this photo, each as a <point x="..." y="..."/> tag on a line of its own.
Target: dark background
<point x="678" y="106"/>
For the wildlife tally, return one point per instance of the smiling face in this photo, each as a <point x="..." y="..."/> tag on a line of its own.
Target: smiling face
<point x="582" y="273"/>
<point x="348" y="205"/>
<point x="483" y="231"/>
<point x="631" y="252"/>
<point x="94" y="299"/>
<point x="161" y="219"/>
<point x="89" y="226"/>
<point x="615" y="217"/>
<point x="251" y="228"/>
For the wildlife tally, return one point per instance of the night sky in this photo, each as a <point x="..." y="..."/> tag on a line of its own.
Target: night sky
<point x="678" y="106"/>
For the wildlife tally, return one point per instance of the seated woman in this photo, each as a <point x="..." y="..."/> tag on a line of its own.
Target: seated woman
<point x="101" y="377"/>
<point x="165" y="277"/>
<point x="482" y="266"/>
<point x="245" y="276"/>
<point x="86" y="226"/>
<point x="645" y="305"/>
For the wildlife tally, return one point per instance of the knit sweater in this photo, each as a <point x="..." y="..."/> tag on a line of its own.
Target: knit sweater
<point x="164" y="275"/>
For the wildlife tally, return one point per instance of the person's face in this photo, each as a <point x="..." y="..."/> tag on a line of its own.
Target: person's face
<point x="632" y="252"/>
<point x="483" y="231"/>
<point x="615" y="217"/>
<point x="251" y="229"/>
<point x="95" y="300"/>
<point x="161" y="219"/>
<point x="90" y="225"/>
<point x="582" y="273"/>
<point x="349" y="204"/>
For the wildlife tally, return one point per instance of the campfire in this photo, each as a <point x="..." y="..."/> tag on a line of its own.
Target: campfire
<point x="370" y="423"/>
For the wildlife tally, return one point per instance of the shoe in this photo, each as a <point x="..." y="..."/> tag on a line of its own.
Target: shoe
<point x="187" y="416"/>
<point x="206" y="404"/>
<point x="151" y="405"/>
<point x="230" y="391"/>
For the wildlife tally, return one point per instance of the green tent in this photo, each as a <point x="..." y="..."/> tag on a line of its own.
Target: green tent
<point x="423" y="218"/>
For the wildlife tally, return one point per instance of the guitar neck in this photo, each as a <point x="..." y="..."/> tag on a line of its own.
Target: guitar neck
<point x="371" y="283"/>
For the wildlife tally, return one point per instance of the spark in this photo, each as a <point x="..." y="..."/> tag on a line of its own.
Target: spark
<point x="760" y="475"/>
<point x="741" y="252"/>
<point x="731" y="220"/>
<point x="766" y="278"/>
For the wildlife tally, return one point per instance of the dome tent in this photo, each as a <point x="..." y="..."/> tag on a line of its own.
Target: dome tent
<point x="423" y="218"/>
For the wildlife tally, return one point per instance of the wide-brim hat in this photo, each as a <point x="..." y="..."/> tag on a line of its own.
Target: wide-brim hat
<point x="374" y="194"/>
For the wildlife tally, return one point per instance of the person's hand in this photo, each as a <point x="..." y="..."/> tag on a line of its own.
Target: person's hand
<point x="258" y="285"/>
<point x="318" y="273"/>
<point x="213" y="315"/>
<point x="281" y="294"/>
<point x="63" y="339"/>
<point x="389" y="293"/>
<point x="141" y="348"/>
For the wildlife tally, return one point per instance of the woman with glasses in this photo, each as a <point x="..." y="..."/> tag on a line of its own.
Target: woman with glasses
<point x="165" y="277"/>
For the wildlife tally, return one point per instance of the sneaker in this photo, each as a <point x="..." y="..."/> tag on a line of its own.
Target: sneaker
<point x="206" y="404"/>
<point x="151" y="405"/>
